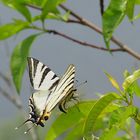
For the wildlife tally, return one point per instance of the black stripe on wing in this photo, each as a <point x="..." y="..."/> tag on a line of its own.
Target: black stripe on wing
<point x="35" y="64"/>
<point x="67" y="79"/>
<point x="63" y="89"/>
<point x="41" y="77"/>
<point x="44" y="75"/>
<point x="30" y="69"/>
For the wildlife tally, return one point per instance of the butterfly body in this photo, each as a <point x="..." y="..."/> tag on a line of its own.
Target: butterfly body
<point x="50" y="90"/>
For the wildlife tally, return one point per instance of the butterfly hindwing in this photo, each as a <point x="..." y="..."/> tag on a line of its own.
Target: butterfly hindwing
<point x="63" y="89"/>
<point x="41" y="76"/>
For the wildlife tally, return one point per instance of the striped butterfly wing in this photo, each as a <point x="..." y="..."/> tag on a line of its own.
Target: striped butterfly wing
<point x="41" y="76"/>
<point x="63" y="89"/>
<point x="43" y="80"/>
<point x="52" y="90"/>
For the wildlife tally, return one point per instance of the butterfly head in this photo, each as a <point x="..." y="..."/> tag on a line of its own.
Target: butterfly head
<point x="36" y="120"/>
<point x="44" y="117"/>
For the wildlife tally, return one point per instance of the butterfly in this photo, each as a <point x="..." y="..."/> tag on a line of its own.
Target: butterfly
<point x="50" y="90"/>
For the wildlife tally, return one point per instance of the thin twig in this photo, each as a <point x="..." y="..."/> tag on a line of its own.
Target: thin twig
<point x="82" y="42"/>
<point x="126" y="48"/>
<point x="73" y="21"/>
<point x="6" y="79"/>
<point x="55" y="32"/>
<point x="11" y="98"/>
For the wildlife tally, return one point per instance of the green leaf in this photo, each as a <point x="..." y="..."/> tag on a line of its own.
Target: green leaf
<point x="109" y="134"/>
<point x="130" y="9"/>
<point x="137" y="127"/>
<point x="95" y="112"/>
<point x="121" y="115"/>
<point x="10" y="29"/>
<point x="19" y="59"/>
<point x="126" y="74"/>
<point x="35" y="2"/>
<point x="136" y="88"/>
<point x="72" y="118"/>
<point x="53" y="16"/>
<point x="113" y="81"/>
<point x="50" y="6"/>
<point x="76" y="132"/>
<point x="130" y="80"/>
<point x="118" y="120"/>
<point x="23" y="10"/>
<point x="109" y="109"/>
<point x="112" y="17"/>
<point x="136" y="17"/>
<point x="137" y="1"/>
<point x="58" y="16"/>
<point x="20" y="6"/>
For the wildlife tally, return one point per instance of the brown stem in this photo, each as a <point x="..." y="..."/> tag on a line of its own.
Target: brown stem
<point x="76" y="40"/>
<point x="82" y="42"/>
<point x="126" y="48"/>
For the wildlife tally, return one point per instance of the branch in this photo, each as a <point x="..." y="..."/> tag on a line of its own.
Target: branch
<point x="85" y="22"/>
<point x="75" y="40"/>
<point x="11" y="98"/>
<point x="89" y="24"/>
<point x="82" y="42"/>
<point x="6" y="79"/>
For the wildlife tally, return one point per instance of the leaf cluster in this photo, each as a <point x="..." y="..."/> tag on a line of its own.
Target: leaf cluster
<point x="104" y="118"/>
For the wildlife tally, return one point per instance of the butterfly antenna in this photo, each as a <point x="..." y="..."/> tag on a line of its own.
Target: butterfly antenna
<point x="81" y="84"/>
<point x="76" y="80"/>
<point x="29" y="129"/>
<point x="22" y="124"/>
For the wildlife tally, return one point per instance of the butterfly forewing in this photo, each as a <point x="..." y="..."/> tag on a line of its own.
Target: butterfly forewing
<point x="41" y="77"/>
<point x="64" y="88"/>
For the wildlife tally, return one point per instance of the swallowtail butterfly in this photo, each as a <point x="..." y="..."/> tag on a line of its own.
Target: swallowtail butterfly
<point x="50" y="90"/>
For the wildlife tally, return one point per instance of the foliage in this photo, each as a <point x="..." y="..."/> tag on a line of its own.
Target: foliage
<point x="114" y="14"/>
<point x="104" y="118"/>
<point x="112" y="17"/>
